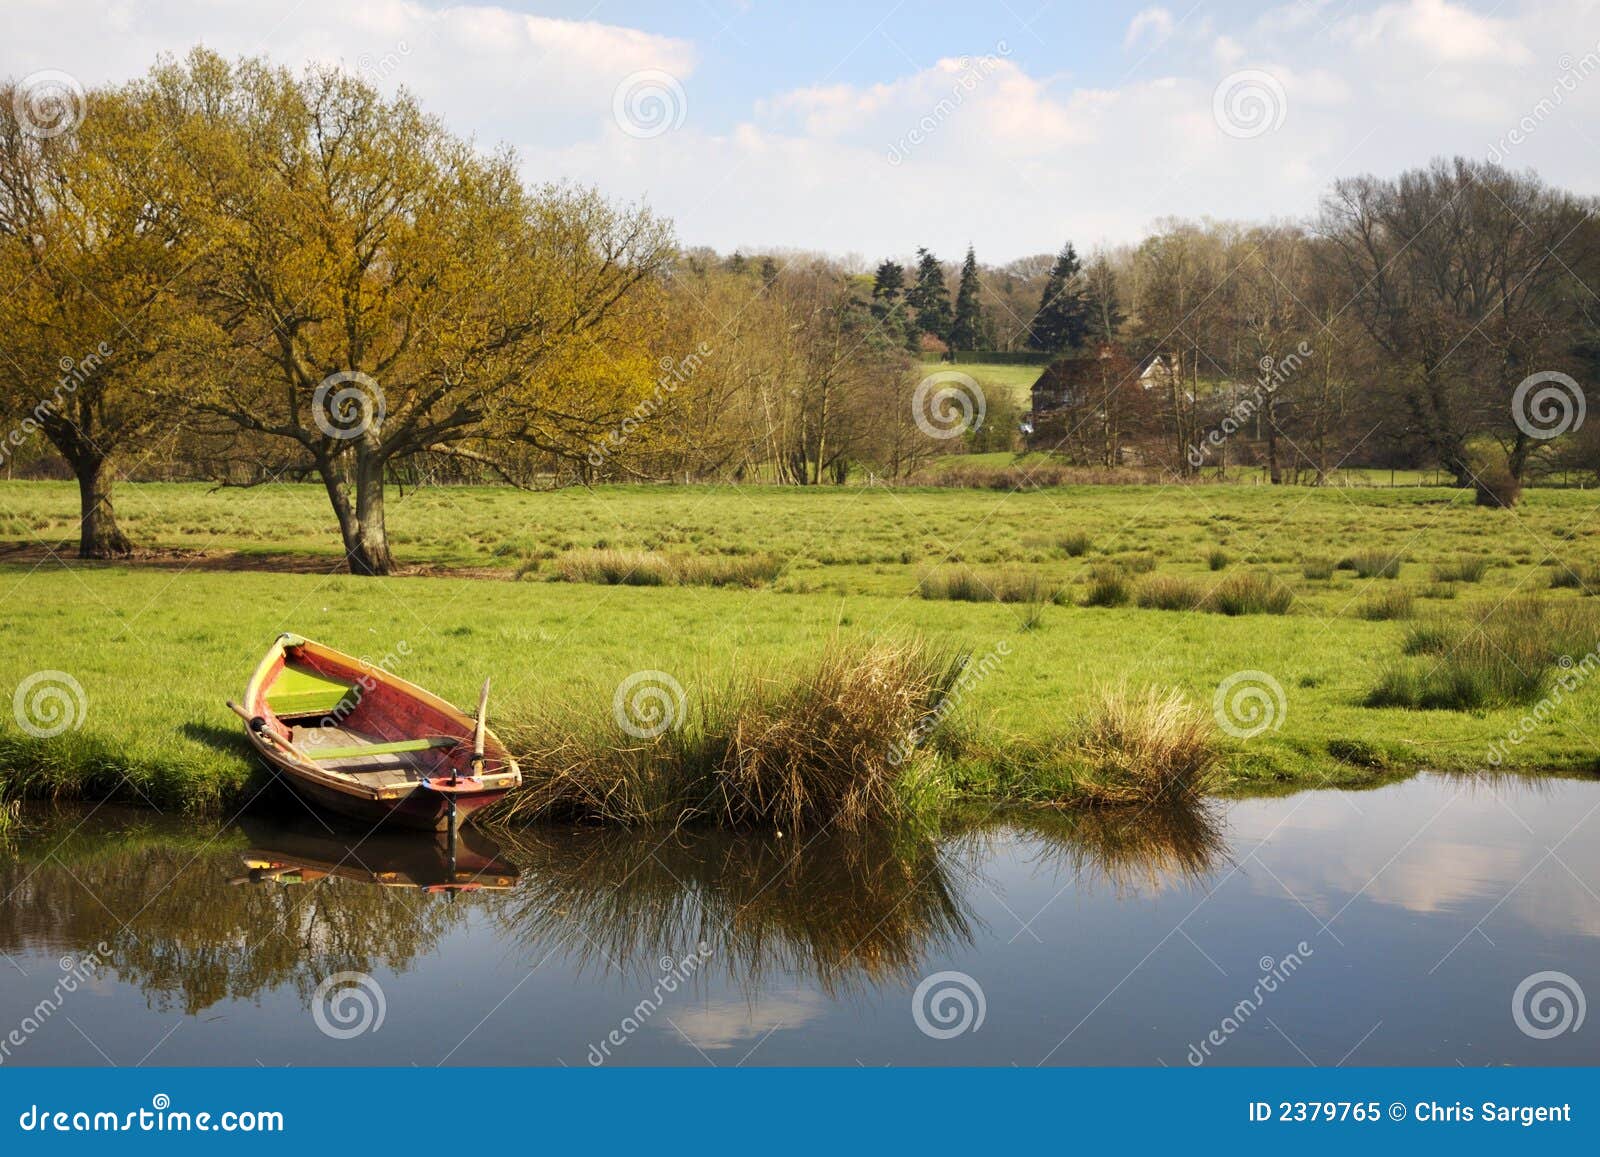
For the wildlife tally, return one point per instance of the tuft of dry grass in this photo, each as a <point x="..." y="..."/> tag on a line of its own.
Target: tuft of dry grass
<point x="1013" y="585"/>
<point x="1373" y="564"/>
<point x="1251" y="593"/>
<point x="1468" y="568"/>
<point x="841" y="742"/>
<point x="638" y="568"/>
<point x="1171" y="593"/>
<point x="1144" y="747"/>
<point x="1108" y="587"/>
<point x="1385" y="606"/>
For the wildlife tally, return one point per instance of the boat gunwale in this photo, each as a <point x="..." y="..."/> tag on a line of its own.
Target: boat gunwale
<point x="496" y="783"/>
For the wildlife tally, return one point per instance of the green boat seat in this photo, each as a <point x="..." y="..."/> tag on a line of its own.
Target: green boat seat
<point x="398" y="747"/>
<point x="300" y="691"/>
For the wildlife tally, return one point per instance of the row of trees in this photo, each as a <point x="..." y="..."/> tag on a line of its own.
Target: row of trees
<point x="1395" y="327"/>
<point x="298" y="272"/>
<point x="231" y="271"/>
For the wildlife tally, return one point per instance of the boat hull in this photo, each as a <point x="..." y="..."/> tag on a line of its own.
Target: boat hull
<point x="422" y="810"/>
<point x="368" y="753"/>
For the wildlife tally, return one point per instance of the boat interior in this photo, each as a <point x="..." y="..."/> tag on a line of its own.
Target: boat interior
<point x="363" y="729"/>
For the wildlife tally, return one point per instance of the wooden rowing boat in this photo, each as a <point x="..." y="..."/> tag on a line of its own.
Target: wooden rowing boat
<point x="350" y="737"/>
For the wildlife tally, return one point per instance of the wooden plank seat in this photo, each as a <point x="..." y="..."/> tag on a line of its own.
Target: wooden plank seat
<point x="398" y="747"/>
<point x="299" y="692"/>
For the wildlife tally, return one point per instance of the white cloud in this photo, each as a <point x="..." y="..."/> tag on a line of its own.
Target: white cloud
<point x="968" y="148"/>
<point x="1154" y="23"/>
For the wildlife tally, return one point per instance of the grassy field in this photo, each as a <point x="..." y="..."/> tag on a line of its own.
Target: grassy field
<point x="1008" y="377"/>
<point x="157" y="645"/>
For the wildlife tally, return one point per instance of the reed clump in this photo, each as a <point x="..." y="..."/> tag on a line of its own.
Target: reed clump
<point x="1386" y="605"/>
<point x="1466" y="569"/>
<point x="844" y="741"/>
<point x="1372" y="564"/>
<point x="1509" y="658"/>
<point x="1250" y="593"/>
<point x="1146" y="747"/>
<point x="1108" y="587"/>
<point x="637" y="568"/>
<point x="1013" y="585"/>
<point x="1171" y="593"/>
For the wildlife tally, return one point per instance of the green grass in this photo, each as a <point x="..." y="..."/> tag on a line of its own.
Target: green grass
<point x="158" y="645"/>
<point x="1010" y="377"/>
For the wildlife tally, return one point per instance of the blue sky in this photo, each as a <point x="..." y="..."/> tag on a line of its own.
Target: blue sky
<point x="873" y="127"/>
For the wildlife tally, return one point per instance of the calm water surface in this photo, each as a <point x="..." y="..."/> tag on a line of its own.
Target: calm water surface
<point x="1383" y="927"/>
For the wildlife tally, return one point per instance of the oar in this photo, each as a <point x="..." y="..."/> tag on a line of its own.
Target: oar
<point x="477" y="731"/>
<point x="258" y="725"/>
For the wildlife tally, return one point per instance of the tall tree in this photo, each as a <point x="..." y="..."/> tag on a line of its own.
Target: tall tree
<point x="966" y="326"/>
<point x="89" y="248"/>
<point x="929" y="298"/>
<point x="1061" y="321"/>
<point x="888" y="283"/>
<point x="1102" y="305"/>
<point x="377" y="288"/>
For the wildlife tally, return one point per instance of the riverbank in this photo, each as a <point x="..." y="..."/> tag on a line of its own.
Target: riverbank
<point x="141" y="662"/>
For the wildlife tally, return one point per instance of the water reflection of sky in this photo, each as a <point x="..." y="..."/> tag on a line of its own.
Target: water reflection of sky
<point x="1405" y="917"/>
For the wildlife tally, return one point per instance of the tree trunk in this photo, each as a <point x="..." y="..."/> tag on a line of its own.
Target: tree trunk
<point x="99" y="535"/>
<point x="366" y="542"/>
<point x="370" y="555"/>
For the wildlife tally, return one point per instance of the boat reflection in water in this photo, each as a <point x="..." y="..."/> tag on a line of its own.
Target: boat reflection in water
<point x="843" y="912"/>
<point x="309" y="853"/>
